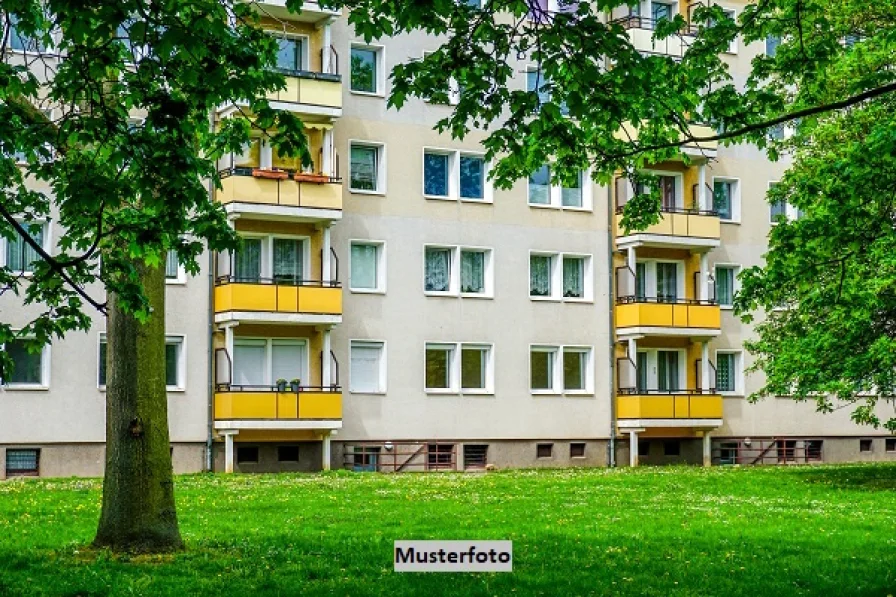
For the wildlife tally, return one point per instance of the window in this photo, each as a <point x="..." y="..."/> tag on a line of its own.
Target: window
<point x="728" y="452"/>
<point x="544" y="450"/>
<point x="288" y="260"/>
<point x="29" y="369"/>
<point x="577" y="450"/>
<point x="643" y="448"/>
<point x="728" y="372"/>
<point x="261" y="362"/>
<point x="726" y="280"/>
<point x="536" y="82"/>
<point x="283" y="260"/>
<point x="247" y="455"/>
<point x="457" y="271"/>
<point x="672" y="447"/>
<point x="571" y="281"/>
<point x="291" y="54"/>
<point x="21" y="462"/>
<point x="475" y="456"/>
<point x="543" y="194"/>
<point x="367" y="373"/>
<point x="771" y="45"/>
<point x="731" y="14"/>
<point x="777" y="132"/>
<point x="367" y="167"/>
<point x="450" y="174"/>
<point x="666" y="282"/>
<point x="287" y="453"/>
<point x="471" y="373"/>
<point x="367" y="266"/>
<point x="662" y="280"/>
<point x="890" y="444"/>
<point x="22" y="43"/>
<point x="556" y="369"/>
<point x="786" y="450"/>
<point x="367" y="74"/>
<point x="726" y="199"/>
<point x="173" y="271"/>
<point x="777" y="211"/>
<point x="175" y="368"/>
<point x="365" y="458"/>
<point x="20" y="255"/>
<point x="662" y="370"/>
<point x="247" y="261"/>
<point x="865" y="445"/>
<point x="661" y="11"/>
<point x="440" y="456"/>
<point x="813" y="449"/>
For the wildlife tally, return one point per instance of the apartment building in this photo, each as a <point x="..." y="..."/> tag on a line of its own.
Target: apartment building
<point x="391" y="311"/>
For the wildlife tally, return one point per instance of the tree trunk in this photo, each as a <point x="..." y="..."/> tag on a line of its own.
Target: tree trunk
<point x="138" y="489"/>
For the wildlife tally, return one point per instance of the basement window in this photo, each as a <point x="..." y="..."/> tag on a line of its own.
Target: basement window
<point x="577" y="450"/>
<point x="475" y="456"/>
<point x="891" y="444"/>
<point x="247" y="455"/>
<point x="22" y="463"/>
<point x="672" y="447"/>
<point x="287" y="453"/>
<point x="440" y="456"/>
<point x="643" y="448"/>
<point x="813" y="449"/>
<point x="864" y="445"/>
<point x="544" y="451"/>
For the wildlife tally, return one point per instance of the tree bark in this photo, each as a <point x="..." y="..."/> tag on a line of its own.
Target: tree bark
<point x="138" y="513"/>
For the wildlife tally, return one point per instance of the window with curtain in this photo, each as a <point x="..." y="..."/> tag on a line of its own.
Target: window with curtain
<point x="575" y="366"/>
<point x="288" y="361"/>
<point x="363" y="168"/>
<point x="438" y="367"/>
<point x="364" y="76"/>
<point x="641" y="373"/>
<point x="667" y="370"/>
<point x="572" y="196"/>
<point x="436" y="170"/>
<point x="472" y="177"/>
<point x="438" y="269"/>
<point x="536" y="82"/>
<point x="290" y="53"/>
<point x="660" y="11"/>
<point x="777" y="211"/>
<point x="573" y="277"/>
<point x="668" y="192"/>
<point x="365" y="374"/>
<point x="247" y="261"/>
<point x="725" y="276"/>
<point x="27" y="366"/>
<point x="540" y="275"/>
<point x="172" y="362"/>
<point x="20" y="256"/>
<point x="473" y="364"/>
<point x="667" y="282"/>
<point x="472" y="271"/>
<point x="541" y="367"/>
<point x="250" y="363"/>
<point x="171" y="265"/>
<point x="364" y="273"/>
<point x="20" y="42"/>
<point x="723" y="196"/>
<point x="540" y="186"/>
<point x="288" y="260"/>
<point x="640" y="281"/>
<point x="726" y="375"/>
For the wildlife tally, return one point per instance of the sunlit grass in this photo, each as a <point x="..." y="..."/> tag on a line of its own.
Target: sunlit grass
<point x="661" y="531"/>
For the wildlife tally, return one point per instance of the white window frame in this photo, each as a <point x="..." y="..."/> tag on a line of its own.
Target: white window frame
<point x="380" y="166"/>
<point x="557" y="277"/>
<point x="380" y="51"/>
<point x="454" y="289"/>
<point x="679" y="184"/>
<point x="738" y="371"/>
<point x="790" y="212"/>
<point x="269" y="355"/>
<point x="181" y="278"/>
<point x="45" y="369"/>
<point x="653" y="382"/>
<point x="455" y="371"/>
<point x="555" y="194"/>
<point x="650" y="272"/>
<point x="306" y="45"/>
<point x="49" y="51"/>
<point x="180" y="339"/>
<point x="266" y="271"/>
<point x="453" y="87"/>
<point x="587" y="282"/>
<point x="380" y="246"/>
<point x="46" y="244"/>
<point x="734" y="288"/>
<point x="383" y="373"/>
<point x="735" y="198"/>
<point x="454" y="156"/>
<point x="558" y="386"/>
<point x="732" y="47"/>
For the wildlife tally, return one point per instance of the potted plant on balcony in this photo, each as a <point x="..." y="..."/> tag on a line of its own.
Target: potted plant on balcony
<point x="295" y="384"/>
<point x="281" y="385"/>
<point x="274" y="173"/>
<point x="316" y="178"/>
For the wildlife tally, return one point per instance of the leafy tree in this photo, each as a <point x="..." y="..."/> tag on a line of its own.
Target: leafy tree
<point x="121" y="164"/>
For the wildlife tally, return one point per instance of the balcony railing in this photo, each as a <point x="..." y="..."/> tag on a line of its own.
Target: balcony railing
<point x="667" y="312"/>
<point x="632" y="403"/>
<point x="235" y="293"/>
<point x="266" y="402"/>
<point x="283" y="188"/>
<point x="309" y="88"/>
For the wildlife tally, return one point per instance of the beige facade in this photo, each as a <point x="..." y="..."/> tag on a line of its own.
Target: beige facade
<point x="380" y="356"/>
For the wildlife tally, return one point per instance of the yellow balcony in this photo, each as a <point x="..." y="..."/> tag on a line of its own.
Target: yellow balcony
<point x="311" y="197"/>
<point x="685" y="317"/>
<point x="310" y="93"/>
<point x="681" y="227"/>
<point x="306" y="404"/>
<point x="695" y="149"/>
<point x="265" y="301"/>
<point x="669" y="406"/>
<point x="311" y="12"/>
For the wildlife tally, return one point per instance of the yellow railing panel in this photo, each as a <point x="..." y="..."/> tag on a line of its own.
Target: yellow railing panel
<point x="320" y="300"/>
<point x="278" y="405"/>
<point x="673" y="406"/>
<point x="278" y="299"/>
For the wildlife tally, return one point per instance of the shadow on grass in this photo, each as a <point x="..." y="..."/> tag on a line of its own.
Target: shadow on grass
<point x="880" y="477"/>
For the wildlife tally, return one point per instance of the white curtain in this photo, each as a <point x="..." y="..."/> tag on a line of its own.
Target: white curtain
<point x="667" y="370"/>
<point x="724" y="285"/>
<point x="363" y="274"/>
<point x="472" y="272"/>
<point x="573" y="277"/>
<point x="539" y="275"/>
<point x="640" y="281"/>
<point x="248" y="261"/>
<point x="20" y="255"/>
<point x="438" y="270"/>
<point x="667" y="281"/>
<point x="288" y="261"/>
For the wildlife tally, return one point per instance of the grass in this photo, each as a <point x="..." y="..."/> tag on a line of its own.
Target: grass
<point x="653" y="531"/>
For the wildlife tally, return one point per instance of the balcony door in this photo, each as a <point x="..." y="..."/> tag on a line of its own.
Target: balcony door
<point x="288" y="260"/>
<point x="262" y="361"/>
<point x="262" y="259"/>
<point x="662" y="281"/>
<point x="666" y="282"/>
<point x="661" y="370"/>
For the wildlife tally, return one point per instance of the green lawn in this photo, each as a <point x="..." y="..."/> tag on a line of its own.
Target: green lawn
<point x="652" y="531"/>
